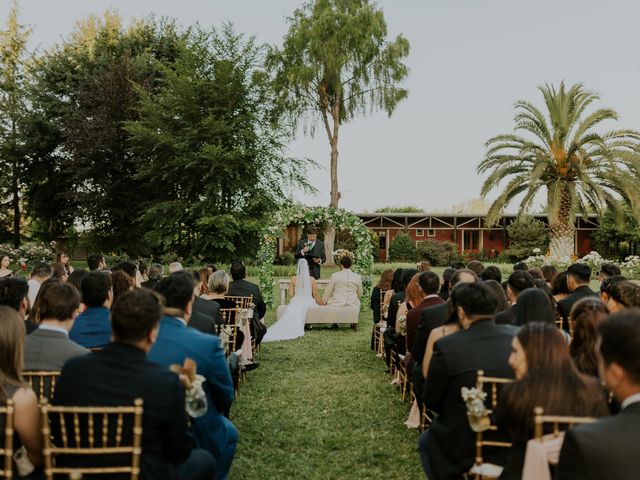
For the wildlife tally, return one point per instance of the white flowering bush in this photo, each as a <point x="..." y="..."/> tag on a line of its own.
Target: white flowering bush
<point x="300" y="214"/>
<point x="594" y="260"/>
<point x="28" y="253"/>
<point x="632" y="265"/>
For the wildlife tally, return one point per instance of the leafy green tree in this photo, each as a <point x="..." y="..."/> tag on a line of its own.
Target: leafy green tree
<point x="614" y="239"/>
<point x="405" y="209"/>
<point x="336" y="64"/>
<point x="402" y="249"/>
<point x="564" y="155"/>
<point x="525" y="234"/>
<point x="13" y="52"/>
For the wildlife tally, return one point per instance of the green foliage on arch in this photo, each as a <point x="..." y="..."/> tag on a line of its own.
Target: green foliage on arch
<point x="298" y="215"/>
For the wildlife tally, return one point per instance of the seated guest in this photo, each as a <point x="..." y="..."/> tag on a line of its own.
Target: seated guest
<point x="92" y="328"/>
<point x="59" y="272"/>
<point x="445" y="287"/>
<point x="219" y="286"/>
<point x="201" y="320"/>
<point x="491" y="273"/>
<point x="120" y="373"/>
<point x="623" y="295"/>
<point x="608" y="449"/>
<point x="96" y="261"/>
<point x="49" y="347"/>
<point x="608" y="270"/>
<point x="34" y="313"/>
<point x="447" y="448"/>
<point x="121" y="282"/>
<point x="203" y="280"/>
<point x="536" y="273"/>
<point x="476" y="267"/>
<point x="39" y="273"/>
<point x="429" y="284"/>
<point x="345" y="287"/>
<point x="547" y="378"/>
<point x="14" y="293"/>
<point x="395" y="301"/>
<point x="383" y="285"/>
<point x="175" y="267"/>
<point x="587" y="314"/>
<point x="578" y="278"/>
<point x="397" y="286"/>
<point x="174" y="344"/>
<point x="534" y="305"/>
<point x="517" y="283"/>
<point x="501" y="295"/>
<point x="241" y="287"/>
<point x="154" y="276"/>
<point x="549" y="274"/>
<point x="76" y="277"/>
<point x="559" y="287"/>
<point x="26" y="415"/>
<point x="606" y="284"/>
<point x="5" y="271"/>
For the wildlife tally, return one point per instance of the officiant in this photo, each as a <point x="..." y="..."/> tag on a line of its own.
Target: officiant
<point x="311" y="249"/>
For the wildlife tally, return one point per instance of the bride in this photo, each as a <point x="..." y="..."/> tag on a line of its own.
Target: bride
<point x="291" y="324"/>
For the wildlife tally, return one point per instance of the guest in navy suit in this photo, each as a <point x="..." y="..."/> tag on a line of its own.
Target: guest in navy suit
<point x="92" y="328"/>
<point x="177" y="342"/>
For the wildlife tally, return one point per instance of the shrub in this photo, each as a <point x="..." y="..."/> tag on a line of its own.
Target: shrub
<point x="439" y="254"/>
<point x="288" y="258"/>
<point x="402" y="249"/>
<point x="525" y="234"/>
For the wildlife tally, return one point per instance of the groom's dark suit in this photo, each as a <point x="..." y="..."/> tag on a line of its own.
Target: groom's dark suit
<point x="316" y="251"/>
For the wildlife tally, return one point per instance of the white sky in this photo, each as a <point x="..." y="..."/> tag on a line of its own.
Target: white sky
<point x="470" y="61"/>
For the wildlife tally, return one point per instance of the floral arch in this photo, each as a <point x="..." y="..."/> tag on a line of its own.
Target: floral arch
<point x="300" y="214"/>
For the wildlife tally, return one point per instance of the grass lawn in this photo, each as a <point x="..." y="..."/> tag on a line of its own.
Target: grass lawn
<point x="321" y="407"/>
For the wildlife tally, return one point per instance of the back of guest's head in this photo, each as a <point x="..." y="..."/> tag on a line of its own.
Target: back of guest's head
<point x="429" y="283"/>
<point x="346" y="261"/>
<point x="396" y="283"/>
<point x="585" y="317"/>
<point x="237" y="270"/>
<point x="13" y="291"/>
<point x="463" y="275"/>
<point x="498" y="291"/>
<point x="534" y="305"/>
<point x="625" y="294"/>
<point x="58" y="301"/>
<point x="407" y="275"/>
<point x="59" y="272"/>
<point x="559" y="285"/>
<point x="609" y="282"/>
<point x="424" y="266"/>
<point x="177" y="289"/>
<point x="545" y="348"/>
<point x="175" y="267"/>
<point x="457" y="265"/>
<point x="94" y="260"/>
<point x="581" y="272"/>
<point x="549" y="273"/>
<point x="520" y="266"/>
<point x="95" y="288"/>
<point x="476" y="299"/>
<point x="385" y="279"/>
<point x="202" y="277"/>
<point x="134" y="314"/>
<point x="519" y="281"/>
<point x="536" y="273"/>
<point x="122" y="282"/>
<point x="127" y="267"/>
<point x="491" y="273"/>
<point x="609" y="270"/>
<point x="35" y="314"/>
<point x="413" y="291"/>
<point x="142" y="267"/>
<point x="77" y="277"/>
<point x="620" y="342"/>
<point x="155" y="272"/>
<point x="211" y="266"/>
<point x="41" y="270"/>
<point x="219" y="282"/>
<point x="475" y="266"/>
<point x="12" y="334"/>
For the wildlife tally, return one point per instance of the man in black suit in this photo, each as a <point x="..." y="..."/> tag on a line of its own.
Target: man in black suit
<point x="608" y="448"/>
<point x="154" y="276"/>
<point x="14" y="293"/>
<point x="447" y="447"/>
<point x="517" y="283"/>
<point x="240" y="287"/>
<point x="312" y="250"/>
<point x="578" y="278"/>
<point x="121" y="373"/>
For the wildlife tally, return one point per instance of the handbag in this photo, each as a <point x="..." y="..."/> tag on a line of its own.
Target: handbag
<point x="390" y="337"/>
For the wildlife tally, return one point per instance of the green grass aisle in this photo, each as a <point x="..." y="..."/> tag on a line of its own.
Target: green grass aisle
<point x="321" y="407"/>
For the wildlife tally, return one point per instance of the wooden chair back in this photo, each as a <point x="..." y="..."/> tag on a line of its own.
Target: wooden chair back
<point x="553" y="422"/>
<point x="6" y="451"/>
<point x="42" y="383"/>
<point x="384" y="308"/>
<point x="90" y="432"/>
<point x="231" y="318"/>
<point x="241" y="302"/>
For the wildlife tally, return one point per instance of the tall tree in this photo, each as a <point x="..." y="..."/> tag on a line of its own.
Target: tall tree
<point x="13" y="50"/>
<point x="564" y="155"/>
<point x="336" y="64"/>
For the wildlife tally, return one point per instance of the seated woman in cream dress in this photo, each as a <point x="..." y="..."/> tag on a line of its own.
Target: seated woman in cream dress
<point x="345" y="287"/>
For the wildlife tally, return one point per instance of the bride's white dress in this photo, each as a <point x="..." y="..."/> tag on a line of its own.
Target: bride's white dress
<point x="291" y="324"/>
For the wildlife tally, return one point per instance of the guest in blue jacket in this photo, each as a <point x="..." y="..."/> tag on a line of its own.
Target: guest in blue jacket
<point x="177" y="342"/>
<point x="92" y="328"/>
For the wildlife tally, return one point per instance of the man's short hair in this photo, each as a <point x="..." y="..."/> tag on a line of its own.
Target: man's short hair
<point x="312" y="230"/>
<point x="609" y="270"/>
<point x="175" y="267"/>
<point x="491" y="273"/>
<point x="429" y="282"/>
<point x="95" y="288"/>
<point x="476" y="299"/>
<point x="12" y="291"/>
<point x="155" y="272"/>
<point x="620" y="341"/>
<point x="177" y="289"/>
<point x="94" y="260"/>
<point x="41" y="269"/>
<point x="580" y="271"/>
<point x="476" y="266"/>
<point x="520" y="280"/>
<point x="77" y="277"/>
<point x="520" y="266"/>
<point x="458" y="265"/>
<point x="127" y="267"/>
<point x="58" y="302"/>
<point x="455" y="278"/>
<point x="134" y="314"/>
<point x="346" y="261"/>
<point x="237" y="270"/>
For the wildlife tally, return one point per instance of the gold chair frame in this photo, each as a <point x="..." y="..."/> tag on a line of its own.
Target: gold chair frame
<point x="540" y="419"/>
<point x="95" y="416"/>
<point x="230" y="317"/>
<point x="7" y="448"/>
<point x="37" y="380"/>
<point x="241" y="302"/>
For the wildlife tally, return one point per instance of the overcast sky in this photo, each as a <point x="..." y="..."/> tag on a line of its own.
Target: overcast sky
<point x="470" y="61"/>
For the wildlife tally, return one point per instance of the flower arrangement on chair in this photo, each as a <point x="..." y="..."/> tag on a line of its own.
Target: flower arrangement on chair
<point x="477" y="412"/>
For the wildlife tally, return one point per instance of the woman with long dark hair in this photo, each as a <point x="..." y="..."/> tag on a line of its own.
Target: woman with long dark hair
<point x="585" y="317"/>
<point x="545" y="377"/>
<point x="534" y="305"/>
<point x="383" y="285"/>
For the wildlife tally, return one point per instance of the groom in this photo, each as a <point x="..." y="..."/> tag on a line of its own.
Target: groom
<point x="312" y="250"/>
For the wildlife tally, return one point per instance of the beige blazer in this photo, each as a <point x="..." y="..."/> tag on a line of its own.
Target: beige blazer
<point x="344" y="289"/>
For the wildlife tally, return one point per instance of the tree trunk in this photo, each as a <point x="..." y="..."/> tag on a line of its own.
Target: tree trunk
<point x="330" y="231"/>
<point x="14" y="188"/>
<point x="562" y="230"/>
<point x="329" y="242"/>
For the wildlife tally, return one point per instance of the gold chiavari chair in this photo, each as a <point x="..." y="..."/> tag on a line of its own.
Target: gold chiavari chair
<point x="7" y="448"/>
<point x="482" y="470"/>
<point x="42" y="383"/>
<point x="378" y="342"/>
<point x="230" y="319"/>
<point x="89" y="432"/>
<point x="245" y="304"/>
<point x="540" y="421"/>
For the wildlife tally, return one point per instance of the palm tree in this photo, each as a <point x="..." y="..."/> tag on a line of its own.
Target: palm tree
<point x="580" y="169"/>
